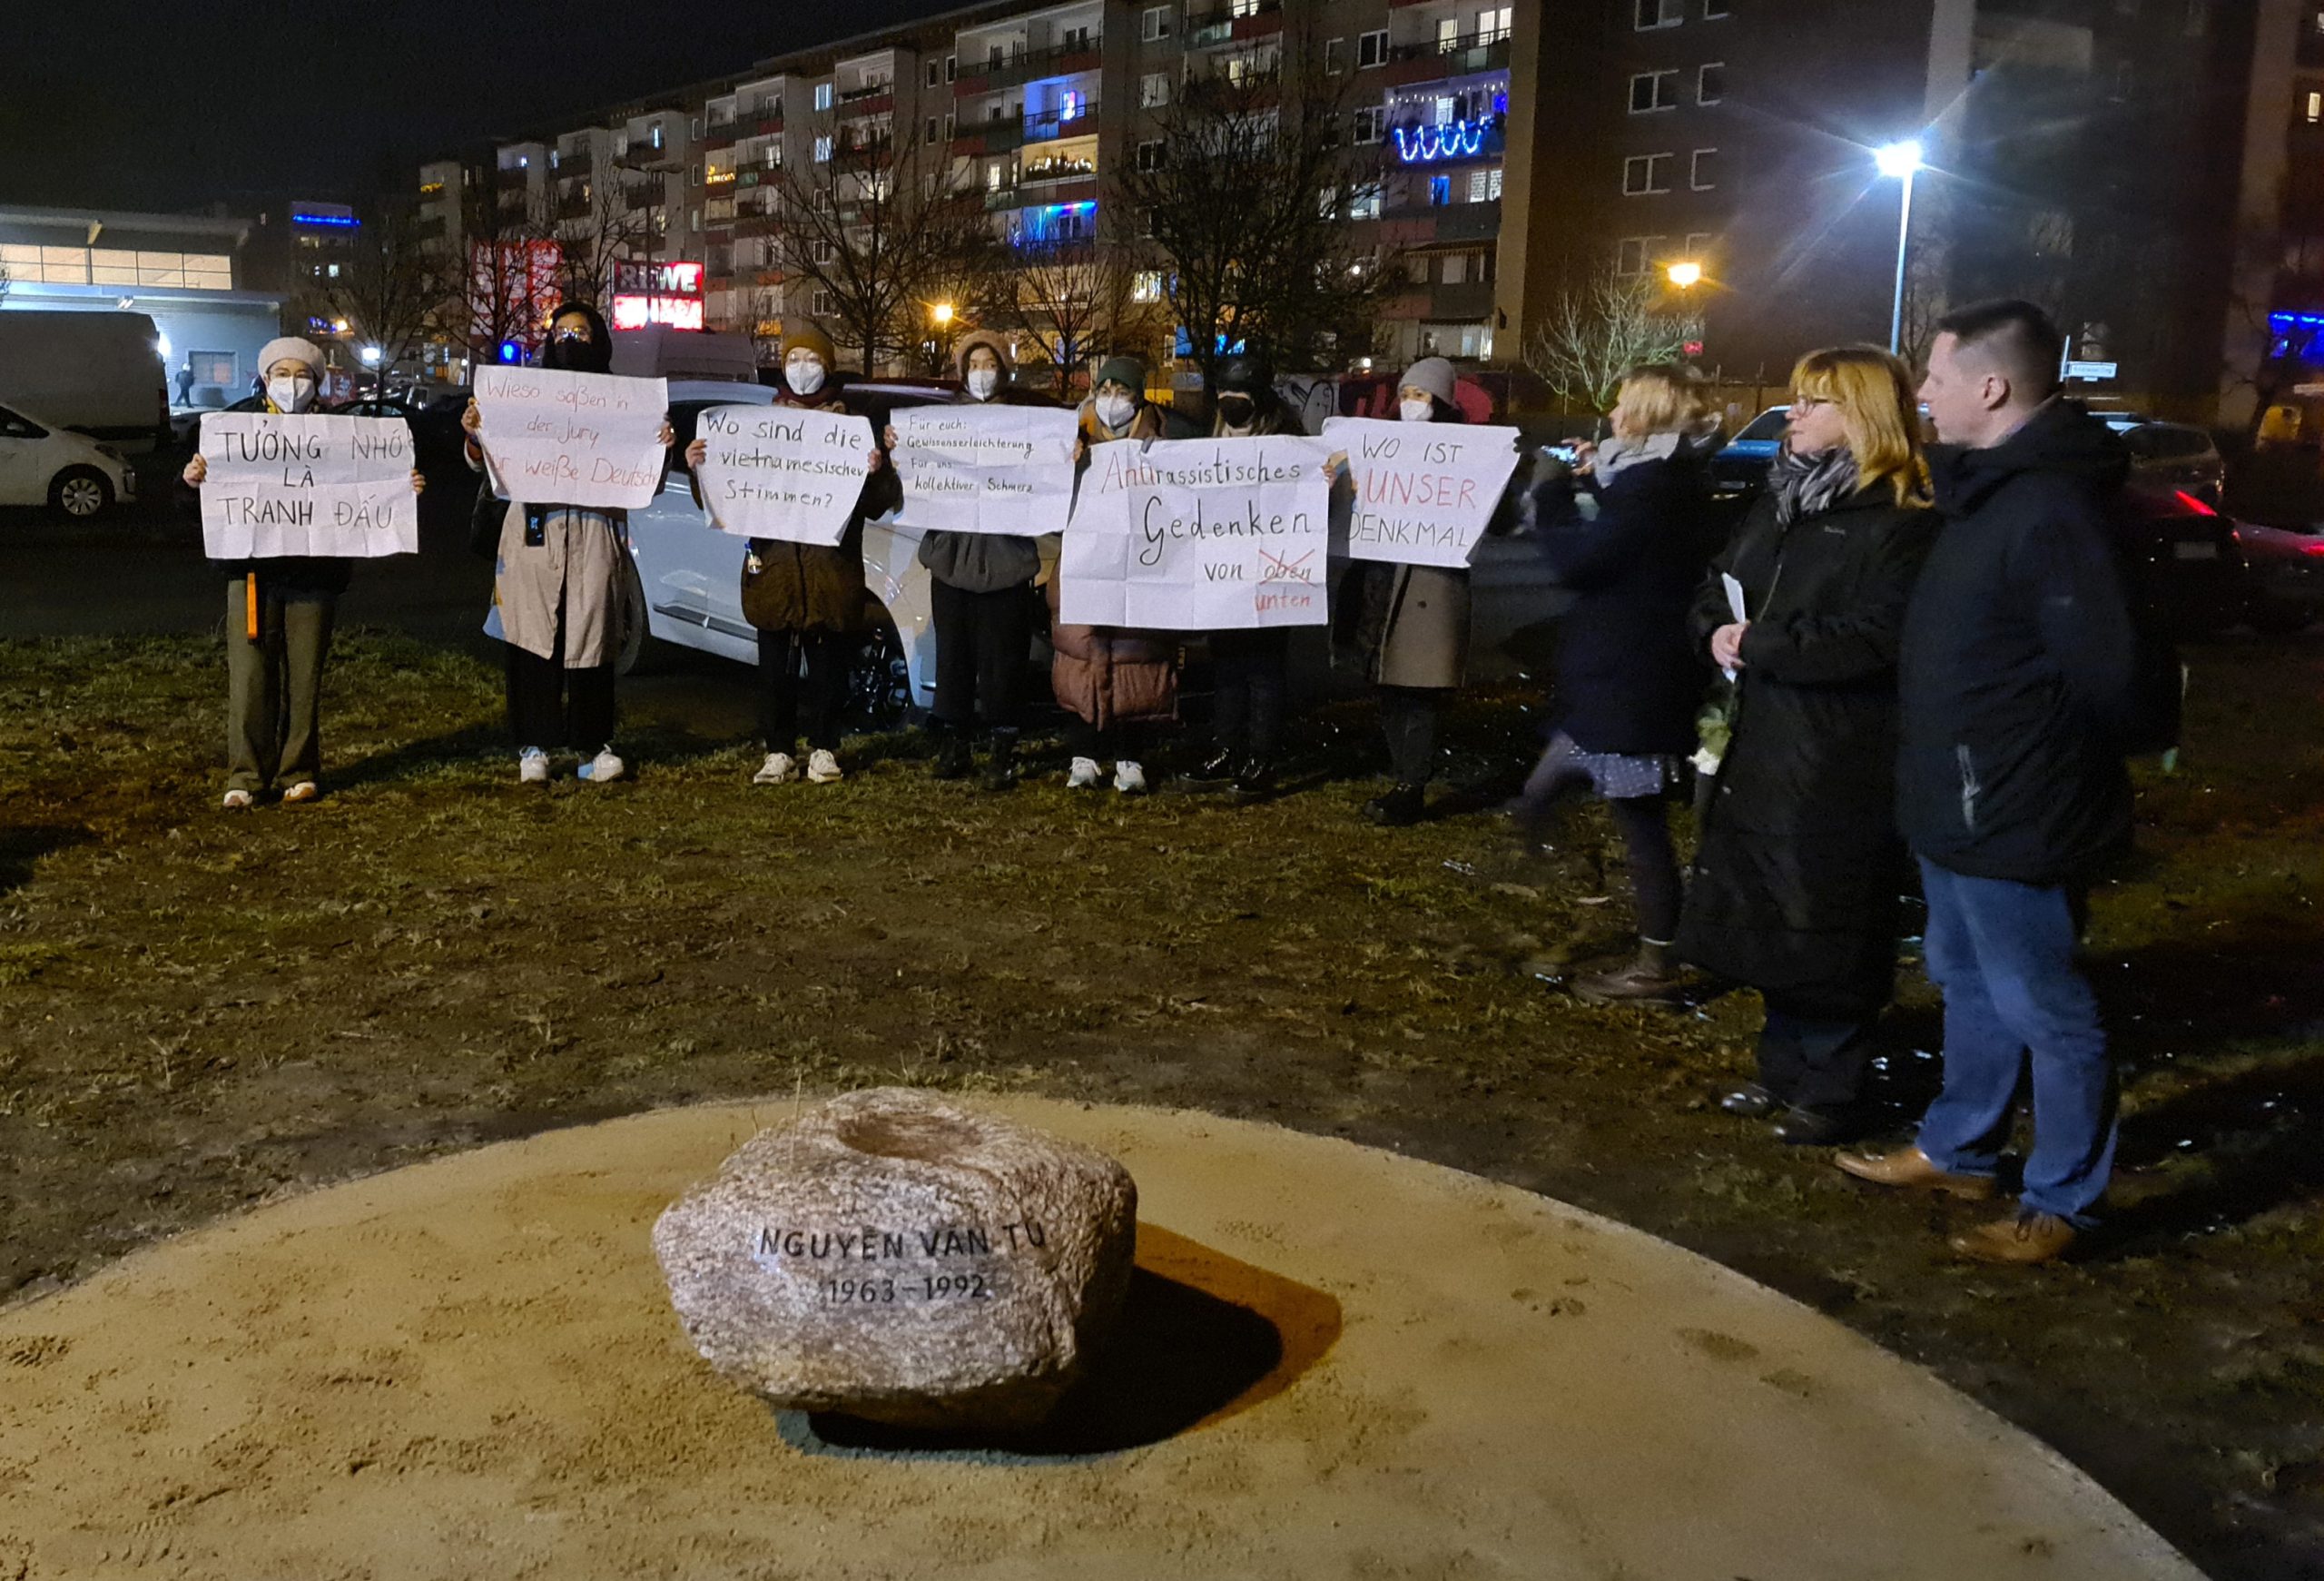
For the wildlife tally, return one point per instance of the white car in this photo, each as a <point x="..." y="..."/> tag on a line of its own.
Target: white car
<point x="685" y="586"/>
<point x="43" y="464"/>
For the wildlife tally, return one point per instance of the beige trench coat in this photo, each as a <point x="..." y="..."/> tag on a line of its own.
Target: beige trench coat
<point x="574" y="570"/>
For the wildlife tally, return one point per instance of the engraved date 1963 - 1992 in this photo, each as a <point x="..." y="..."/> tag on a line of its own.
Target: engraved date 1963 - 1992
<point x="969" y="1286"/>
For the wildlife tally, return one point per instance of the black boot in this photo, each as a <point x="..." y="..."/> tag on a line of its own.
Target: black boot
<point x="1214" y="773"/>
<point x="1253" y="782"/>
<point x="952" y="757"/>
<point x="1404" y="805"/>
<point x="1000" y="769"/>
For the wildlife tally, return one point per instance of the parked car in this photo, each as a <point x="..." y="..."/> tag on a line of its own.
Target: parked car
<point x="44" y="464"/>
<point x="2188" y="553"/>
<point x="2283" y="575"/>
<point x="2172" y="454"/>
<point x="685" y="577"/>
<point x="1740" y="466"/>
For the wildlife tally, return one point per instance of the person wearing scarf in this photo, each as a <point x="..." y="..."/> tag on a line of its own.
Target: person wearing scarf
<point x="279" y="616"/>
<point x="557" y="593"/>
<point x="1113" y="682"/>
<point x="1799" y="864"/>
<point x="1628" y="681"/>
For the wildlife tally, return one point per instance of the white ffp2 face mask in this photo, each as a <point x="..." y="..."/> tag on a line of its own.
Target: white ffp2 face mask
<point x="291" y="394"/>
<point x="1115" y="411"/>
<point x="1416" y="410"/>
<point x="803" y="374"/>
<point x="983" y="382"/>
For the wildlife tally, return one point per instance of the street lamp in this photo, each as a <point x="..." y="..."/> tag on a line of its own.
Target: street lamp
<point x="370" y="355"/>
<point x="942" y="314"/>
<point x="1684" y="275"/>
<point x="1900" y="161"/>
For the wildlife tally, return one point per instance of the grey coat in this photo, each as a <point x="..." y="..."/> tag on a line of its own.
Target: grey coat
<point x="981" y="562"/>
<point x="1409" y="623"/>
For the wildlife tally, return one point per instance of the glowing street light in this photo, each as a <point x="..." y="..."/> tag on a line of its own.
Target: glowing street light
<point x="1900" y="161"/>
<point x="940" y="314"/>
<point x="370" y="355"/>
<point x="1684" y="275"/>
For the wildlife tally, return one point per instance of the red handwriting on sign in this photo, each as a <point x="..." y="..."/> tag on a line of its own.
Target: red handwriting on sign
<point x="1275" y="569"/>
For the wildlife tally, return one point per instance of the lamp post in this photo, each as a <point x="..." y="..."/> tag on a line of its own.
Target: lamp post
<point x="1900" y="161"/>
<point x="1684" y="275"/>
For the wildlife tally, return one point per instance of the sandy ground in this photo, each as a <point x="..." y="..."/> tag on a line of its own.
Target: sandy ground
<point x="469" y="1367"/>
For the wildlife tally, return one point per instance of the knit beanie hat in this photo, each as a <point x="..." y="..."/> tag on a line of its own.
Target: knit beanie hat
<point x="808" y="338"/>
<point x="1434" y="375"/>
<point x="991" y="342"/>
<point x="1127" y="371"/>
<point x="294" y="349"/>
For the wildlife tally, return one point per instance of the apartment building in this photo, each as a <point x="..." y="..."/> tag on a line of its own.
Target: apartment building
<point x="2092" y="153"/>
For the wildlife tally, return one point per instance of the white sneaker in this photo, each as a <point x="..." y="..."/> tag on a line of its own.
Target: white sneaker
<point x="822" y="767"/>
<point x="778" y="768"/>
<point x="603" y="767"/>
<point x="1130" y="779"/>
<point x="1084" y="775"/>
<point x="306" y="790"/>
<point x="237" y="800"/>
<point x="532" y="766"/>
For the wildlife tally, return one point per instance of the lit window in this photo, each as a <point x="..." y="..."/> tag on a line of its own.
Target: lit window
<point x="1148" y="287"/>
<point x="1152" y="90"/>
<point x="1440" y="190"/>
<point x="1365" y="205"/>
<point x="823" y="150"/>
<point x="1456" y="268"/>
<point x="2315" y="107"/>
<point x="1484" y="185"/>
<point x="1493" y="25"/>
<point x="823" y="95"/>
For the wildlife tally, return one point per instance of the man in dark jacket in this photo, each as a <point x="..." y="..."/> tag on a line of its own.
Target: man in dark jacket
<point x="2017" y="675"/>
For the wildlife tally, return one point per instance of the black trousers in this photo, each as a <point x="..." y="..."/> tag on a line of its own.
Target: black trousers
<point x="981" y="643"/>
<point x="1252" y="670"/>
<point x="1815" y="1062"/>
<point x="784" y="694"/>
<point x="552" y="706"/>
<point x="1408" y="717"/>
<point x="1123" y="741"/>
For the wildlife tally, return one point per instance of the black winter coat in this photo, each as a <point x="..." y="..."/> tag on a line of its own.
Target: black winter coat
<point x="1629" y="680"/>
<point x="1798" y="872"/>
<point x="2019" y="666"/>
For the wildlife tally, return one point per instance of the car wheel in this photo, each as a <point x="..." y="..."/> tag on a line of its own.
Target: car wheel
<point x="80" y="492"/>
<point x="640" y="650"/>
<point x="879" y="681"/>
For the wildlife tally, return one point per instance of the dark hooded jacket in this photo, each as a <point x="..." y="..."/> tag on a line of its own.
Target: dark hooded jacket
<point x="1798" y="868"/>
<point x="981" y="562"/>
<point x="2018" y="669"/>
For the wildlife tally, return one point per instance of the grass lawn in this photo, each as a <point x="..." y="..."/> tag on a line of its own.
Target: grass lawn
<point x="199" y="1011"/>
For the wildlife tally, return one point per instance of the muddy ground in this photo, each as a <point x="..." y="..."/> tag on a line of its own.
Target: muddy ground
<point x="200" y="1010"/>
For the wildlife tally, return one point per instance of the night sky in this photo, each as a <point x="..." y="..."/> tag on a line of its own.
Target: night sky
<point x="172" y="107"/>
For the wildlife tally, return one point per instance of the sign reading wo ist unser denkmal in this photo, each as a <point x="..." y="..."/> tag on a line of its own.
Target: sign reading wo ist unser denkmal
<point x="1200" y="535"/>
<point x="1423" y="493"/>
<point x="308" y="484"/>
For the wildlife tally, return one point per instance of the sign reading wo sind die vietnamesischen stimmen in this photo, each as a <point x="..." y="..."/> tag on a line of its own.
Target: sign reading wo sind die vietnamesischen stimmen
<point x="784" y="472"/>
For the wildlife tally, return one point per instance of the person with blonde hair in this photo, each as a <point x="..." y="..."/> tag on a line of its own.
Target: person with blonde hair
<point x="1628" y="679"/>
<point x="1799" y="864"/>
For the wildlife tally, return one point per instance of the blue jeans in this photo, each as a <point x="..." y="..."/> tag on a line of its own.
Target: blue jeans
<point x="2003" y="953"/>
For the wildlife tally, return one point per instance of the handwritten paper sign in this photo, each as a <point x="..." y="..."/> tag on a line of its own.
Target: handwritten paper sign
<point x="783" y="471"/>
<point x="986" y="469"/>
<point x="556" y="438"/>
<point x="1199" y="535"/>
<point x="1423" y="492"/>
<point x="307" y="485"/>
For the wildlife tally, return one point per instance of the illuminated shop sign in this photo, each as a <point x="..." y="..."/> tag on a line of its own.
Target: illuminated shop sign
<point x="658" y="293"/>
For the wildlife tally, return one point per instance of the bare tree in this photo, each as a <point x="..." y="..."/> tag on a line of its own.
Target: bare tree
<point x="1600" y="330"/>
<point x="1077" y="300"/>
<point x="1245" y="203"/>
<point x="394" y="288"/>
<point x="595" y="228"/>
<point x="880" y="229"/>
<point x="507" y="282"/>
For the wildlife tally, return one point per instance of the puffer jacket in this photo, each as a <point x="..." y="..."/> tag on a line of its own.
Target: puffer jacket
<point x="802" y="587"/>
<point x="1102" y="673"/>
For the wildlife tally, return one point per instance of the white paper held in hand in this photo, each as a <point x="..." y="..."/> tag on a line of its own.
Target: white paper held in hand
<point x="1733" y="604"/>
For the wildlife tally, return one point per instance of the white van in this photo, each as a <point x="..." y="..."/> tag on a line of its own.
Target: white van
<point x="96" y="373"/>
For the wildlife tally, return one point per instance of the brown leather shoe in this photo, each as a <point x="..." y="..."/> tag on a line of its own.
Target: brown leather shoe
<point x="2022" y="1242"/>
<point x="1910" y="1169"/>
<point x="1650" y="977"/>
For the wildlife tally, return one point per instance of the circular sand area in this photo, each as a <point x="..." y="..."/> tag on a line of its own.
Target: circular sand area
<point x="1352" y="1365"/>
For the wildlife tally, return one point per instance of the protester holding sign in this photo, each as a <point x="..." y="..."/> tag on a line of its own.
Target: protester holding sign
<point x="1114" y="682"/>
<point x="806" y="599"/>
<point x="557" y="585"/>
<point x="1411" y="625"/>
<point x="278" y="614"/>
<point x="1629" y="678"/>
<point x="981" y="587"/>
<point x="1250" y="667"/>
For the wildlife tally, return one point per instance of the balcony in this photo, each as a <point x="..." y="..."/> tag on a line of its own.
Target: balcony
<point x="1467" y="222"/>
<point x="579" y="161"/>
<point x="1021" y="65"/>
<point x="1416" y="145"/>
<point x="992" y="137"/>
<point x="1470" y="300"/>
<point x="1051" y="125"/>
<point x="878" y="100"/>
<point x="1039" y="171"/>
<point x="573" y="206"/>
<point x="1238" y="19"/>
<point x="1431" y="59"/>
